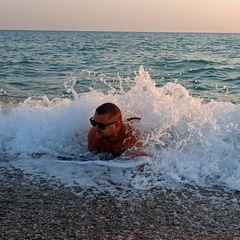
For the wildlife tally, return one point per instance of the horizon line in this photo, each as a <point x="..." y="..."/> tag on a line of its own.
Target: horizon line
<point x="119" y="31"/>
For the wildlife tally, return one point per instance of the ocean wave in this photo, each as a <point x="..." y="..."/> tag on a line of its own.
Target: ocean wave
<point x="189" y="141"/>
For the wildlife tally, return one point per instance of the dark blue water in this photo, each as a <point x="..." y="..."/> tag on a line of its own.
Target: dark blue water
<point x="38" y="62"/>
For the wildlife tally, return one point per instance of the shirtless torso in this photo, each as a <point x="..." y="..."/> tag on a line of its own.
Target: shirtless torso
<point x="127" y="138"/>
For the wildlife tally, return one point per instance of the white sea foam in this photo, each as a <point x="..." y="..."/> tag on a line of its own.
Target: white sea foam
<point x="190" y="142"/>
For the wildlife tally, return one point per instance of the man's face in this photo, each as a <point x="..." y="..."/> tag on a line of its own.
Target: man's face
<point x="109" y="130"/>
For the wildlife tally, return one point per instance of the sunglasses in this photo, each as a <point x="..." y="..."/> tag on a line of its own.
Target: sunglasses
<point x="102" y="126"/>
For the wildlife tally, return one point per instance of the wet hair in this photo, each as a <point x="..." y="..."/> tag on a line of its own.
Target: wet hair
<point x="110" y="108"/>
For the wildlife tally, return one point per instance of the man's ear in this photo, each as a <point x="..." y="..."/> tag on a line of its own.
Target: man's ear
<point x="118" y="124"/>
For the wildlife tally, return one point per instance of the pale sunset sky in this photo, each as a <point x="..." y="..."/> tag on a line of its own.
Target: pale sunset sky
<point x="122" y="15"/>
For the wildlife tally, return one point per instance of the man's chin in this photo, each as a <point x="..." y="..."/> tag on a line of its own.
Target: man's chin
<point x="99" y="137"/>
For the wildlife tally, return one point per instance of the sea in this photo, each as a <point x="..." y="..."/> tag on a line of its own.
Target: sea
<point x="185" y="87"/>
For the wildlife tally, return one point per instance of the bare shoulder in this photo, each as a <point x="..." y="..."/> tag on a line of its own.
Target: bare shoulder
<point x="135" y="139"/>
<point x="91" y="134"/>
<point x="92" y="140"/>
<point x="133" y="135"/>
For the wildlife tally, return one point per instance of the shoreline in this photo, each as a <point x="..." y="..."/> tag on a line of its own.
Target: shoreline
<point x="36" y="208"/>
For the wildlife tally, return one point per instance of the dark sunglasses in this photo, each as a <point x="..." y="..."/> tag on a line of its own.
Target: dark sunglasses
<point x="102" y="126"/>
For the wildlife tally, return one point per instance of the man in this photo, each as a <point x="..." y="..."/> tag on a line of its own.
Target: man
<point x="110" y="134"/>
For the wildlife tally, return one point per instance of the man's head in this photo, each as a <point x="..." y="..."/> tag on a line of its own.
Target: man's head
<point x="107" y="121"/>
<point x="111" y="109"/>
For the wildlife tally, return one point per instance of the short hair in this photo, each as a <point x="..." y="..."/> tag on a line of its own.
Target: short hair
<point x="110" y="108"/>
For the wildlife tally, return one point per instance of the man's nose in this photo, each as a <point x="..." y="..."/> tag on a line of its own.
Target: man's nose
<point x="96" y="127"/>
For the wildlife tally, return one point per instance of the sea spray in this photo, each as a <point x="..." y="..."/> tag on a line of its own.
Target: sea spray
<point x="189" y="141"/>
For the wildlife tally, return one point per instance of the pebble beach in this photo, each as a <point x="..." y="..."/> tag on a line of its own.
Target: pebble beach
<point x="36" y="208"/>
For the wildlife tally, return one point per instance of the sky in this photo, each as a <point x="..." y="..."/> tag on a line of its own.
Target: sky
<point x="122" y="15"/>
